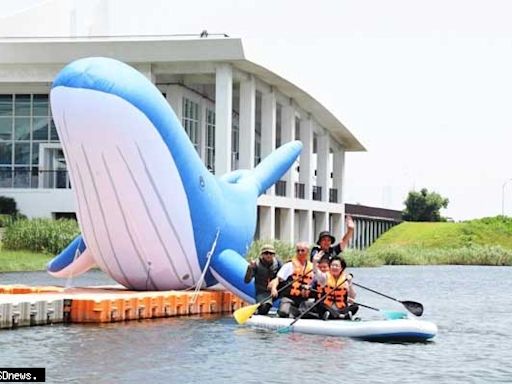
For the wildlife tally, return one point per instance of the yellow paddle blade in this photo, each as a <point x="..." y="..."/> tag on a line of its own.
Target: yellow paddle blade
<point x="241" y="315"/>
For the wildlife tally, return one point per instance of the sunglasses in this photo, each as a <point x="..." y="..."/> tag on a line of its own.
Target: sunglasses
<point x="301" y="250"/>
<point x="267" y="253"/>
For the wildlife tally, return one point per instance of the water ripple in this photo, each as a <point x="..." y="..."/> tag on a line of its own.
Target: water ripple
<point x="471" y="306"/>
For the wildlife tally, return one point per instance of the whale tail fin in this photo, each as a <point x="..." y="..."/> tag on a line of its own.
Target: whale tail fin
<point x="275" y="165"/>
<point x="74" y="260"/>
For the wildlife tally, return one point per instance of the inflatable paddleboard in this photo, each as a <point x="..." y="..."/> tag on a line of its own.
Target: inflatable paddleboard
<point x="401" y="330"/>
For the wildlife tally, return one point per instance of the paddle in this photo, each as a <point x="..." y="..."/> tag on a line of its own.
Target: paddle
<point x="390" y="315"/>
<point x="241" y="315"/>
<point x="412" y="306"/>
<point x="289" y="327"/>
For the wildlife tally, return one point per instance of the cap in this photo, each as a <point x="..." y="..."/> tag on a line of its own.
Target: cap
<point x="324" y="234"/>
<point x="267" y="248"/>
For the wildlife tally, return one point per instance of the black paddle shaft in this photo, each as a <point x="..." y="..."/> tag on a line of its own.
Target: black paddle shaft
<point x="412" y="306"/>
<point x="283" y="288"/>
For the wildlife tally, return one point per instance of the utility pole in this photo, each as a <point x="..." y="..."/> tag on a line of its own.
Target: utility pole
<point x="503" y="196"/>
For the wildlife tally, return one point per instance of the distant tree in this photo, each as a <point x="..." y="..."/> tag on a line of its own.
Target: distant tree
<point x="424" y="206"/>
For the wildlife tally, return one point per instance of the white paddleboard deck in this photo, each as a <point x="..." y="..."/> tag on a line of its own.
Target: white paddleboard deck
<point x="373" y="330"/>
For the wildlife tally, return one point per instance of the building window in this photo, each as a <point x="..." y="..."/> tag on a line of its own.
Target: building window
<point x="235" y="143"/>
<point x="317" y="193"/>
<point x="25" y="123"/>
<point x="257" y="130"/>
<point x="190" y="121"/>
<point x="210" y="140"/>
<point x="278" y="124"/>
<point x="297" y="128"/>
<point x="281" y="188"/>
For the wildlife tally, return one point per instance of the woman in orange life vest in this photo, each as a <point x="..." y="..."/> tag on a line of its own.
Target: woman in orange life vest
<point x="300" y="271"/>
<point x="337" y="285"/>
<point x="317" y="291"/>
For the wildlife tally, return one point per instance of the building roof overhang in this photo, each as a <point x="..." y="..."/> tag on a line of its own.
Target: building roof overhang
<point x="169" y="49"/>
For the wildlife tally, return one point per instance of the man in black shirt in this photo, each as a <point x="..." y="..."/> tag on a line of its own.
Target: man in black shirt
<point x="326" y="240"/>
<point x="264" y="270"/>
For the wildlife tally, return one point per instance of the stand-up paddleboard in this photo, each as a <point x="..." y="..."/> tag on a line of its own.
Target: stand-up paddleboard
<point x="402" y="330"/>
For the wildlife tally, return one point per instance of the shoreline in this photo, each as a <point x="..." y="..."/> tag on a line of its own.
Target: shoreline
<point x="25" y="261"/>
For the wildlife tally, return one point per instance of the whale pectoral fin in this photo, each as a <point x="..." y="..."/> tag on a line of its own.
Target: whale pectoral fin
<point x="229" y="268"/>
<point x="74" y="260"/>
<point x="275" y="165"/>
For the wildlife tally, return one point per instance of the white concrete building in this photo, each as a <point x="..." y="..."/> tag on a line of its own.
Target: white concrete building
<point x="234" y="111"/>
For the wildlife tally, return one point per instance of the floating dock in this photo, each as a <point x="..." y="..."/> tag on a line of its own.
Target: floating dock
<point x="22" y="305"/>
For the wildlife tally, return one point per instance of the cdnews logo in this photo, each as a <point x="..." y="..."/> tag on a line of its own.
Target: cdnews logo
<point x="22" y="375"/>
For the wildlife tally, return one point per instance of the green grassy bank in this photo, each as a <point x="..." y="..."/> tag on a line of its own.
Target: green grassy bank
<point x="486" y="241"/>
<point x="21" y="261"/>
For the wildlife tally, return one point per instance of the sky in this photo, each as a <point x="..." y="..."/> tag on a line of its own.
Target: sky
<point x="425" y="86"/>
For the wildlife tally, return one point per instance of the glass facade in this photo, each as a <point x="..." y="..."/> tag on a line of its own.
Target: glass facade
<point x="210" y="140"/>
<point x="25" y="124"/>
<point x="190" y="121"/>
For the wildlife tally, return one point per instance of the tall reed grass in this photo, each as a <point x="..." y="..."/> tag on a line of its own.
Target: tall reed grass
<point x="40" y="235"/>
<point x="406" y="255"/>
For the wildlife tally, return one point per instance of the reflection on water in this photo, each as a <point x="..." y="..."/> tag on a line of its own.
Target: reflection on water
<point x="470" y="305"/>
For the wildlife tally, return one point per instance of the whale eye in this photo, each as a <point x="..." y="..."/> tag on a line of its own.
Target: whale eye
<point x="201" y="182"/>
<point x="185" y="277"/>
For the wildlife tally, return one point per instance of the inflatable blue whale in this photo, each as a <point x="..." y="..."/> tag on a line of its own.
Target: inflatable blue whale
<point x="151" y="215"/>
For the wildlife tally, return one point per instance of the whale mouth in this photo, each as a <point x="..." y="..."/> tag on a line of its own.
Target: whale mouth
<point x="131" y="204"/>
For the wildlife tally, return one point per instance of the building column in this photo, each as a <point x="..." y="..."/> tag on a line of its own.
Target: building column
<point x="267" y="222"/>
<point x="367" y="233"/>
<point x="287" y="225"/>
<point x="268" y="127"/>
<point x="287" y="134"/>
<point x="223" y="118"/>
<point x="247" y="122"/>
<point x="338" y="171"/>
<point x="147" y="71"/>
<point x="174" y="96"/>
<point x="356" y="233"/>
<point x="306" y="156"/>
<point x="322" y="166"/>
<point x="306" y="226"/>
<point x="337" y="225"/>
<point x="321" y="222"/>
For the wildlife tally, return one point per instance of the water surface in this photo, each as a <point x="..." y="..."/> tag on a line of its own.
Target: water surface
<point x="470" y="305"/>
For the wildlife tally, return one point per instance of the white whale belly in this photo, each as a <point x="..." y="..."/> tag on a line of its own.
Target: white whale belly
<point x="131" y="205"/>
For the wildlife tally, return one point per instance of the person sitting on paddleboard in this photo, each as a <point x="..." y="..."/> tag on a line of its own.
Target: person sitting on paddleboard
<point x="316" y="291"/>
<point x="300" y="271"/>
<point x="326" y="240"/>
<point x="264" y="270"/>
<point x="338" y="287"/>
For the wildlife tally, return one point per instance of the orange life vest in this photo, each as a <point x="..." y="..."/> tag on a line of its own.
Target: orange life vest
<point x="302" y="274"/>
<point x="320" y="290"/>
<point x="336" y="294"/>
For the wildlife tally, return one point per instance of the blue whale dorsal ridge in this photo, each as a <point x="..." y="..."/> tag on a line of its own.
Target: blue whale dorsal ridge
<point x="227" y="203"/>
